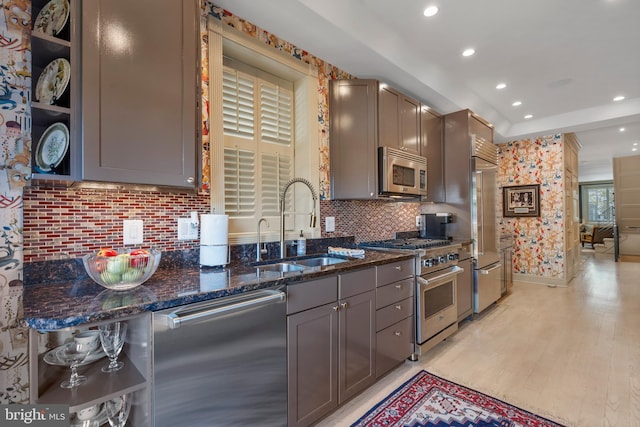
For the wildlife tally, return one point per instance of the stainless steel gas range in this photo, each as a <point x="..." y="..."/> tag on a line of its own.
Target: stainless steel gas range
<point x="436" y="272"/>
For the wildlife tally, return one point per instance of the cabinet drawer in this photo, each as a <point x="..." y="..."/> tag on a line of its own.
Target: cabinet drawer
<point x="393" y="292"/>
<point x="389" y="273"/>
<point x="357" y="282"/>
<point x="314" y="293"/>
<point x="393" y="313"/>
<point x="394" y="345"/>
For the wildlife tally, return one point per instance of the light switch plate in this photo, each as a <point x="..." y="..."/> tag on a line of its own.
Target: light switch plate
<point x="330" y="224"/>
<point x="132" y="232"/>
<point x="187" y="230"/>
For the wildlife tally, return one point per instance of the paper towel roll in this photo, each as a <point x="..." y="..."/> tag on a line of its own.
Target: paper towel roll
<point x="214" y="256"/>
<point x="214" y="229"/>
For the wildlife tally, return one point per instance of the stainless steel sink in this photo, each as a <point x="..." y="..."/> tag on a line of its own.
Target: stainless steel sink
<point x="320" y="261"/>
<point x="281" y="267"/>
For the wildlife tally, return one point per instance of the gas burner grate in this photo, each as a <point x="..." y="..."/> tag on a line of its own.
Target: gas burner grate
<point x="405" y="243"/>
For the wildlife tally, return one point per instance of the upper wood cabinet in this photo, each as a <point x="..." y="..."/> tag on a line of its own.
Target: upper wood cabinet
<point x="364" y="115"/>
<point x="399" y="120"/>
<point x="353" y="138"/>
<point x="140" y="78"/>
<point x="431" y="140"/>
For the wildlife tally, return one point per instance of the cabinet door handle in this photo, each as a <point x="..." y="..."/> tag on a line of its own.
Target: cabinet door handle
<point x="344" y="305"/>
<point x="397" y="333"/>
<point x="336" y="308"/>
<point x="398" y="267"/>
<point x="398" y="307"/>
<point x="398" y="286"/>
<point x="191" y="180"/>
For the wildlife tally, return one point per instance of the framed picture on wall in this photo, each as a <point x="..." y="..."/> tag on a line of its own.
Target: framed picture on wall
<point x="521" y="200"/>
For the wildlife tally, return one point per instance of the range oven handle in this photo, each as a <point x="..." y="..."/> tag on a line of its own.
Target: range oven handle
<point x="452" y="272"/>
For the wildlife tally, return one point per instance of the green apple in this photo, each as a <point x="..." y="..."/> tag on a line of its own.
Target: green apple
<point x="118" y="264"/>
<point x="131" y="275"/>
<point x="109" y="278"/>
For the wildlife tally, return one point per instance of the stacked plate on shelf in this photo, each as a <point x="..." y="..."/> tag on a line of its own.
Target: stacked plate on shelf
<point x="52" y="17"/>
<point x="53" y="81"/>
<point x="52" y="147"/>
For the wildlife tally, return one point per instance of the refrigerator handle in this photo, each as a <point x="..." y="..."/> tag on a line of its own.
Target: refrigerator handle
<point x="480" y="210"/>
<point x="489" y="270"/>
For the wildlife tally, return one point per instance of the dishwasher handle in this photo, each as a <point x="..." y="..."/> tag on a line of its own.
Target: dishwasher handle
<point x="175" y="319"/>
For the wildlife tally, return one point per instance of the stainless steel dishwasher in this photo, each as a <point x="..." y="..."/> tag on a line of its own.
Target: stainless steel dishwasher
<point x="222" y="362"/>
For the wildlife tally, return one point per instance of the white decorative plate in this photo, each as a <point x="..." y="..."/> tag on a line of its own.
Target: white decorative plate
<point x="53" y="81"/>
<point x="52" y="18"/>
<point x="52" y="147"/>
<point x="51" y="357"/>
<point x="100" y="419"/>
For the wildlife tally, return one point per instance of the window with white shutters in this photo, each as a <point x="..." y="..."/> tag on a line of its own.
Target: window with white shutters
<point x="258" y="146"/>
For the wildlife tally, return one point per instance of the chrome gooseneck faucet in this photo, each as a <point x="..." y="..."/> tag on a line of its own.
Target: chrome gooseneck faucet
<point x="312" y="223"/>
<point x="260" y="251"/>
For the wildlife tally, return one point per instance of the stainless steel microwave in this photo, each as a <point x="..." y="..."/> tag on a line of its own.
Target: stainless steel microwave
<point x="401" y="173"/>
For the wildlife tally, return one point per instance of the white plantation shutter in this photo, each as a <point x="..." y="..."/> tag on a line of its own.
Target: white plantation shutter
<point x="237" y="103"/>
<point x="239" y="182"/>
<point x="276" y="171"/>
<point x="276" y="105"/>
<point x="258" y="123"/>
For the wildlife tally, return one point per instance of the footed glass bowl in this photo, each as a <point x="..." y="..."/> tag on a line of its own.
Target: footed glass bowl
<point x="122" y="271"/>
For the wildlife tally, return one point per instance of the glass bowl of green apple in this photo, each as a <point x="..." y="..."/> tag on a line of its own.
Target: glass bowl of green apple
<point x="121" y="270"/>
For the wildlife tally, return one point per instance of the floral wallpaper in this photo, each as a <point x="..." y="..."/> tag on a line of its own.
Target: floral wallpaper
<point x="15" y="171"/>
<point x="539" y="242"/>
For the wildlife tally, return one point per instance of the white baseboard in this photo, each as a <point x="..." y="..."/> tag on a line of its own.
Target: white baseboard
<point x="538" y="280"/>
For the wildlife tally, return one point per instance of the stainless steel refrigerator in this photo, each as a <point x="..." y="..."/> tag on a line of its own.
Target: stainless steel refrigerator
<point x="471" y="161"/>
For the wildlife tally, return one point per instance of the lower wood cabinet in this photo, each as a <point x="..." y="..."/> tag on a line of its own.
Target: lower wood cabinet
<point x="394" y="345"/>
<point x="331" y="347"/>
<point x="394" y="315"/>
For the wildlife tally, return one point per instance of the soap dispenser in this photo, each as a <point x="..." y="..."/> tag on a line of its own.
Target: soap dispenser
<point x="302" y="245"/>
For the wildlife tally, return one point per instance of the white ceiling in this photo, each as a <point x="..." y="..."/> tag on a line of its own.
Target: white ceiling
<point x="564" y="60"/>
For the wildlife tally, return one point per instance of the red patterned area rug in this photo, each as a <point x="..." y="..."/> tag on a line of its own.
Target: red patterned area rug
<point x="427" y="400"/>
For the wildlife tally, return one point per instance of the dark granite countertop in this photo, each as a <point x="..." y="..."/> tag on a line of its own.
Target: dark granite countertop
<point x="50" y="306"/>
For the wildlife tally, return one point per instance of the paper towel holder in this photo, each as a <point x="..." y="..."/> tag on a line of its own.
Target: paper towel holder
<point x="211" y="258"/>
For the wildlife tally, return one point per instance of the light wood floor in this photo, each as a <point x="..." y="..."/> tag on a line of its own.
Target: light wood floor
<point x="569" y="354"/>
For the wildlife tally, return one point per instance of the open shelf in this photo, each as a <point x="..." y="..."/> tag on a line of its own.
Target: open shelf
<point x="100" y="386"/>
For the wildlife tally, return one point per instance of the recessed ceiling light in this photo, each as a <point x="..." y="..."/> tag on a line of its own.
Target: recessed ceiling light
<point x="430" y="11"/>
<point x="621" y="129"/>
<point x="517" y="103"/>
<point x="468" y="52"/>
<point x="528" y="116"/>
<point x="618" y="98"/>
<point x="501" y="85"/>
<point x="635" y="143"/>
<point x="634" y="149"/>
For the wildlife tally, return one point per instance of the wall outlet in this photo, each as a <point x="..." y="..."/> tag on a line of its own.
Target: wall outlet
<point x="330" y="224"/>
<point x="187" y="230"/>
<point x="132" y="232"/>
<point x="418" y="218"/>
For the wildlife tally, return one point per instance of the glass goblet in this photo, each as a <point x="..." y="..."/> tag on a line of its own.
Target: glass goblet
<point x="73" y="354"/>
<point x="112" y="336"/>
<point x="118" y="410"/>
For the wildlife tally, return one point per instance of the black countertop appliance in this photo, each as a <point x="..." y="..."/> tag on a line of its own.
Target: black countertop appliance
<point x="434" y="225"/>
